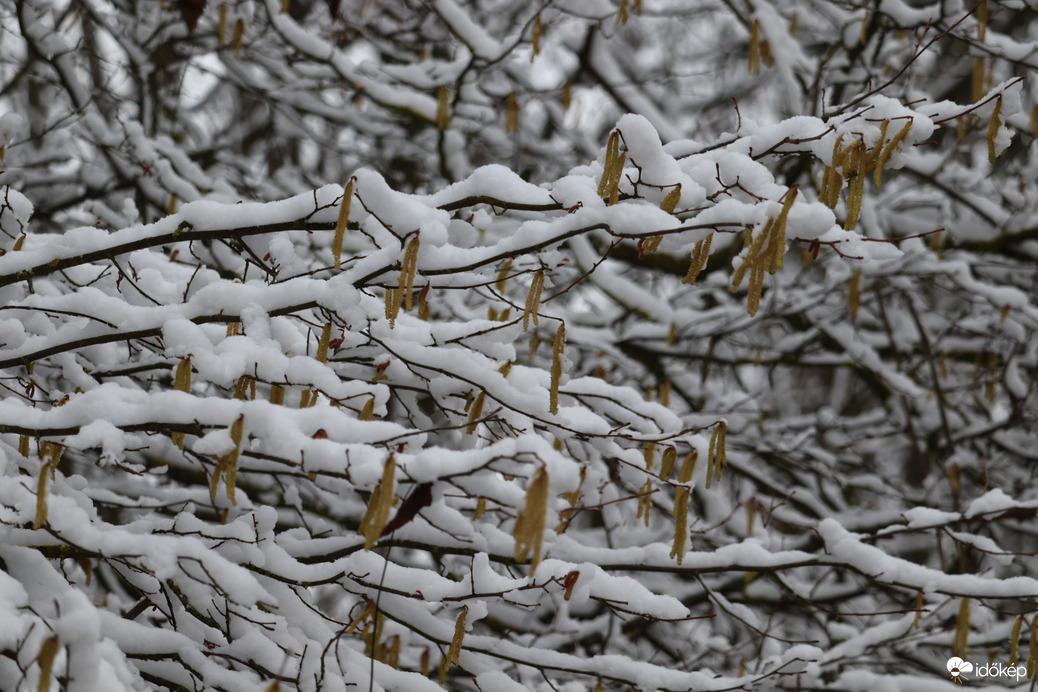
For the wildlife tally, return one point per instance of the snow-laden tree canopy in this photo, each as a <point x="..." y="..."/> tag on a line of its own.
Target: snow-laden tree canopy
<point x="490" y="345"/>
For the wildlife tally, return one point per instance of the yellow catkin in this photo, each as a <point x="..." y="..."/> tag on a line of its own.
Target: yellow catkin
<point x="889" y="150"/>
<point x="181" y="383"/>
<point x="681" y="498"/>
<point x="919" y="602"/>
<point x="367" y="412"/>
<point x="877" y="150"/>
<point x="285" y="5"/>
<point x="529" y="527"/>
<point x="832" y="187"/>
<point x="753" y="59"/>
<point x="649" y="453"/>
<point x="536" y="28"/>
<point x="221" y="27"/>
<point x="980" y="78"/>
<point x="700" y="254"/>
<point x="392" y="306"/>
<point x="502" y="276"/>
<point x="665" y="386"/>
<point x="623" y="13"/>
<point x="423" y="303"/>
<point x="341" y="223"/>
<point x="277" y="395"/>
<point x="752" y="248"/>
<point x="960" y="647"/>
<point x="670" y="457"/>
<point x="238" y="35"/>
<point x="647" y="246"/>
<point x="754" y="289"/>
<point x="459" y="637"/>
<point x="511" y="113"/>
<point x="443" y="108"/>
<point x="475" y="411"/>
<point x="408" y="270"/>
<point x="991" y="385"/>
<point x="45" y="659"/>
<point x="993" y="127"/>
<point x="174" y="202"/>
<point x="1014" y="640"/>
<point x="718" y="454"/>
<point x="936" y="243"/>
<point x="481" y="508"/>
<point x="614" y="187"/>
<point x="230" y="460"/>
<point x="1032" y="657"/>
<point x="777" y="248"/>
<point x="241" y="389"/>
<point x="856" y="188"/>
<point x="982" y="20"/>
<point x="46" y="470"/>
<point x="645" y="501"/>
<point x="558" y="353"/>
<point x="533" y="301"/>
<point x="612" y="155"/>
<point x="23" y="445"/>
<point x="322" y="343"/>
<point x="566" y="96"/>
<point x="854" y="293"/>
<point x="671" y="200"/>
<point x="379" y="506"/>
<point x="535" y="344"/>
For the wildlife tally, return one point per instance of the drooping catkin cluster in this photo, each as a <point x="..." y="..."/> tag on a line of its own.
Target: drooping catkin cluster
<point x="700" y="254"/>
<point x="614" y="168"/>
<point x="558" y="355"/>
<point x="652" y="243"/>
<point x="717" y="458"/>
<point x="227" y="465"/>
<point x="764" y="253"/>
<point x="533" y="299"/>
<point x="340" y="224"/>
<point x="181" y="383"/>
<point x="379" y="506"/>
<point x="852" y="163"/>
<point x="681" y="498"/>
<point x="403" y="294"/>
<point x="529" y="526"/>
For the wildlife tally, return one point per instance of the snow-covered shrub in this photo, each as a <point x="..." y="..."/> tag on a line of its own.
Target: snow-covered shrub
<point x="475" y="345"/>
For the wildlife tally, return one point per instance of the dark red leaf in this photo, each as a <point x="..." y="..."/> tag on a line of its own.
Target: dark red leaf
<point x="419" y="499"/>
<point x="191" y="10"/>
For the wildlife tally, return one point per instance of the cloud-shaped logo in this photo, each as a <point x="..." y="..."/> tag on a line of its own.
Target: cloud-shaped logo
<point x="956" y="666"/>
